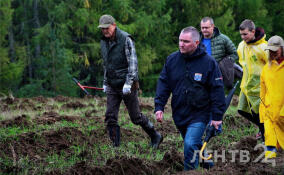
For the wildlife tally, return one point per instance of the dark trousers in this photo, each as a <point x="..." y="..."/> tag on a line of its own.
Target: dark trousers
<point x="254" y="118"/>
<point x="114" y="98"/>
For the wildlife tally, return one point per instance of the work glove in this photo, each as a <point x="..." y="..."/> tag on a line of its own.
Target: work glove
<point x="105" y="88"/>
<point x="126" y="89"/>
<point x="159" y="116"/>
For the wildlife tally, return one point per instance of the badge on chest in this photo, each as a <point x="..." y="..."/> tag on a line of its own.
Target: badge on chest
<point x="197" y="76"/>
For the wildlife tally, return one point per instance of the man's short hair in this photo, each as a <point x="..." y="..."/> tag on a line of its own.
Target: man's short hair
<point x="205" y="19"/>
<point x="247" y="24"/>
<point x="194" y="32"/>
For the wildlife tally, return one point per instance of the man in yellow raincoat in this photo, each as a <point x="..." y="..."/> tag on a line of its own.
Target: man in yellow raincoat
<point x="252" y="57"/>
<point x="272" y="96"/>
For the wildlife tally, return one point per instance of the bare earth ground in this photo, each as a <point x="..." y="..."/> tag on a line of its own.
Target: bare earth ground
<point x="37" y="145"/>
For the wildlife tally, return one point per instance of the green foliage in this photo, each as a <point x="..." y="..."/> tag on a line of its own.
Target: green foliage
<point x="46" y="43"/>
<point x="276" y="14"/>
<point x="254" y="10"/>
<point x="226" y="25"/>
<point x="32" y="89"/>
<point x="10" y="74"/>
<point x="10" y="70"/>
<point x="148" y="83"/>
<point x="5" y="18"/>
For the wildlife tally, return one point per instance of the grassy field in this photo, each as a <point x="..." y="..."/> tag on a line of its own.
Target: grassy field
<point x="64" y="135"/>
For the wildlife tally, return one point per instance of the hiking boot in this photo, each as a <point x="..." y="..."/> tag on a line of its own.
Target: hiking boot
<point x="270" y="152"/>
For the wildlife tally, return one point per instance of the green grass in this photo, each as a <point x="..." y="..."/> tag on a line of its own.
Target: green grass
<point x="234" y="128"/>
<point x="99" y="152"/>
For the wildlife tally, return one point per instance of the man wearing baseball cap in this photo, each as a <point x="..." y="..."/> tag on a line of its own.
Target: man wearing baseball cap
<point x="272" y="97"/>
<point x="121" y="80"/>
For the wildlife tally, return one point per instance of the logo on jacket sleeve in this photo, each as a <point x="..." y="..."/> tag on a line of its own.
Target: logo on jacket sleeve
<point x="219" y="78"/>
<point x="197" y="76"/>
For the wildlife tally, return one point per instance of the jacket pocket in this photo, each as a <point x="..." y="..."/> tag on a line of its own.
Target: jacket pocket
<point x="198" y="96"/>
<point x="121" y="73"/>
<point x="178" y="100"/>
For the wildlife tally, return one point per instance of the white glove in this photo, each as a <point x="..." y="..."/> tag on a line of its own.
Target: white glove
<point x="126" y="89"/>
<point x="105" y="88"/>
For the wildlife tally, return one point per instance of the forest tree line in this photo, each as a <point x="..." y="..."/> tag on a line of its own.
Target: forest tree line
<point x="44" y="43"/>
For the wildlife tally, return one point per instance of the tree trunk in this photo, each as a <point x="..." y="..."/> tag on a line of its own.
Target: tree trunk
<point x="36" y="25"/>
<point x="11" y="45"/>
<point x="53" y="66"/>
<point x="27" y="41"/>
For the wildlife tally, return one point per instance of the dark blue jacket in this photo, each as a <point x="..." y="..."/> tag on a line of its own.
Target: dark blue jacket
<point x="196" y="85"/>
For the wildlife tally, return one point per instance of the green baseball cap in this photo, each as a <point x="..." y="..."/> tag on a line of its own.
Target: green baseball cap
<point x="274" y="43"/>
<point x="106" y="21"/>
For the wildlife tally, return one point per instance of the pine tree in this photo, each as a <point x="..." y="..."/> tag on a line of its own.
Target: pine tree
<point x="10" y="69"/>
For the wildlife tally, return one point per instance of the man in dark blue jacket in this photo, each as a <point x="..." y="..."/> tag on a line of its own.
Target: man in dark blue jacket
<point x="196" y="84"/>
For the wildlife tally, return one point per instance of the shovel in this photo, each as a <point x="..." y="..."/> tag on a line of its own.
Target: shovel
<point x="211" y="131"/>
<point x="87" y="87"/>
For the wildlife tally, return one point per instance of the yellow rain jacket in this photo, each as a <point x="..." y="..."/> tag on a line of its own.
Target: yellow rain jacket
<point x="252" y="57"/>
<point x="272" y="105"/>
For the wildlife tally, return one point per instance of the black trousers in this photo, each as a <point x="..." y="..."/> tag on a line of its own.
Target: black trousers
<point x="114" y="98"/>
<point x="254" y="118"/>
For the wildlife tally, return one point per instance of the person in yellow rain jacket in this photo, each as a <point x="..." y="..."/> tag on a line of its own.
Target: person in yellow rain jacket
<point x="252" y="57"/>
<point x="272" y="96"/>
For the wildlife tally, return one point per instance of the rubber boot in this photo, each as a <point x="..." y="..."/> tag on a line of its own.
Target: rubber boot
<point x="114" y="135"/>
<point x="156" y="137"/>
<point x="270" y="152"/>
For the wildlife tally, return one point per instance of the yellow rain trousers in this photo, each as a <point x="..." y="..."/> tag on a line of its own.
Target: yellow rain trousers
<point x="272" y="106"/>
<point x="252" y="57"/>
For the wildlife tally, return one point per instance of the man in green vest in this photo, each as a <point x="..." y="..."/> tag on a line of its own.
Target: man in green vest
<point x="121" y="80"/>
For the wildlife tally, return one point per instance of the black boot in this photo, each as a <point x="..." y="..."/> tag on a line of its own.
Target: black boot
<point x="114" y="135"/>
<point x="156" y="137"/>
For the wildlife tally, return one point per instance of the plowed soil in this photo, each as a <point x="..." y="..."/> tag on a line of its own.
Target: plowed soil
<point x="39" y="144"/>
